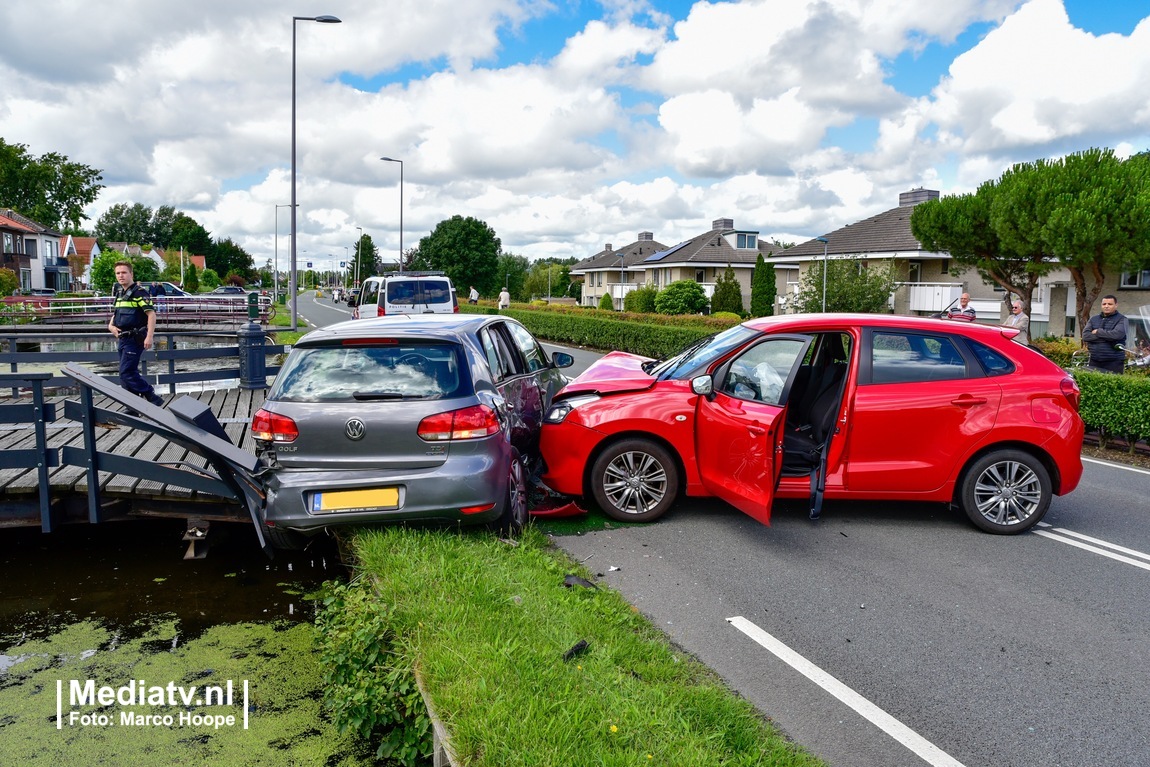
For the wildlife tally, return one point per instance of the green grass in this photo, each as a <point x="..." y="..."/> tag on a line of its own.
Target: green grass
<point x="488" y="623"/>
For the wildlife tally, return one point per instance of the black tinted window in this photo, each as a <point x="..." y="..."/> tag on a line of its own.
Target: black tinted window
<point x="993" y="363"/>
<point x="402" y="370"/>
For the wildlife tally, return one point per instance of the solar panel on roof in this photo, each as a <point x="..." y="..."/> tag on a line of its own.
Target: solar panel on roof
<point x="660" y="255"/>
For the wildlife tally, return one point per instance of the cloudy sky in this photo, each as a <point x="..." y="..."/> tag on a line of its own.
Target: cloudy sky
<point x="564" y="124"/>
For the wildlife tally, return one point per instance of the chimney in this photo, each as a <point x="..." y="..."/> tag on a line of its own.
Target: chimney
<point x="607" y="248"/>
<point x="723" y="223"/>
<point x="915" y="196"/>
<point x="646" y="237"/>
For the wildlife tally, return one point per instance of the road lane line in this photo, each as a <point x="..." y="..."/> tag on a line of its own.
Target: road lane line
<point x="1096" y="541"/>
<point x="1115" y="466"/>
<point x="1069" y="541"/>
<point x="929" y="752"/>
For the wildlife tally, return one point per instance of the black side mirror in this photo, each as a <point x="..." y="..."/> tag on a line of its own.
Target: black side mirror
<point x="562" y="360"/>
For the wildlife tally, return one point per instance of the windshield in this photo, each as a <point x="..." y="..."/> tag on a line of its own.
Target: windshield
<point x="698" y="356"/>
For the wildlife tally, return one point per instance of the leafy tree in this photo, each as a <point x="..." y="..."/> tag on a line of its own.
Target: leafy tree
<point x="764" y="290"/>
<point x="227" y="257"/>
<point x="681" y="297"/>
<point x="851" y="286"/>
<point x="728" y="295"/>
<point x="49" y="189"/>
<point x="546" y="277"/>
<point x="9" y="282"/>
<point x="144" y="269"/>
<point x="125" y="223"/>
<point x="964" y="226"/>
<point x="209" y="279"/>
<point x="606" y="303"/>
<point x="511" y="270"/>
<point x="641" y="299"/>
<point x="191" y="279"/>
<point x="188" y="234"/>
<point x="365" y="256"/>
<point x="468" y="251"/>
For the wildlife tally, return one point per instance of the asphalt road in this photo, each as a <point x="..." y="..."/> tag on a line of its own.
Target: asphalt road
<point x="897" y="634"/>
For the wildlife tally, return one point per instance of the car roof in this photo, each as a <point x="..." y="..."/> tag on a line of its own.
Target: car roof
<point x="801" y="322"/>
<point x="430" y="325"/>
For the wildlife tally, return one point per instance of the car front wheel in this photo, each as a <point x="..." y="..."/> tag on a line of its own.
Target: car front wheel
<point x="1006" y="492"/>
<point x="635" y="481"/>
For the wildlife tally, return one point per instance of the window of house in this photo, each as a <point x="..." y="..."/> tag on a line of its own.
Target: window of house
<point x="747" y="241"/>
<point x="30" y="248"/>
<point x="700" y="275"/>
<point x="9" y="243"/>
<point x="1135" y="280"/>
<point x="25" y="279"/>
<point x="945" y="266"/>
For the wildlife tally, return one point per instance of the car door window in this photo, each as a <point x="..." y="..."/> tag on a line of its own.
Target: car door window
<point x="532" y="352"/>
<point x="502" y="356"/>
<point x="760" y="373"/>
<point x="903" y="357"/>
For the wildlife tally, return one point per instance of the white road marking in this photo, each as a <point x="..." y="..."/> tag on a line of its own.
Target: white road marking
<point x="1116" y="466"/>
<point x="929" y="752"/>
<point x="1094" y="545"/>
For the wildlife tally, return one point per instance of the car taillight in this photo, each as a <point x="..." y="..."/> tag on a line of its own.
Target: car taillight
<point x="1071" y="391"/>
<point x="469" y="423"/>
<point x="270" y="427"/>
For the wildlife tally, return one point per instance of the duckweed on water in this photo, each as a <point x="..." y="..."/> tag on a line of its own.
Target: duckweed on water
<point x="286" y="725"/>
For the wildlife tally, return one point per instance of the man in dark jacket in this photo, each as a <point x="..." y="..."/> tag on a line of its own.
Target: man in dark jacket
<point x="133" y="323"/>
<point x="1104" y="334"/>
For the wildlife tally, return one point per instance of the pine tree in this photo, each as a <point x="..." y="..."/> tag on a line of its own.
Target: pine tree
<point x="763" y="289"/>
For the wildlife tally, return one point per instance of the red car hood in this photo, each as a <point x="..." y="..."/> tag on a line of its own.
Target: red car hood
<point x="617" y="372"/>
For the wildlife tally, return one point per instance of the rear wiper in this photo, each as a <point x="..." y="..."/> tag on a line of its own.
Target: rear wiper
<point x="383" y="395"/>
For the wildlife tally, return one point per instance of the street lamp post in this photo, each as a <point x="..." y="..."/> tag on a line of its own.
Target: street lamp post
<point x="358" y="255"/>
<point x="823" y="240"/>
<point x="292" y="287"/>
<point x="390" y="159"/>
<point x="276" y="271"/>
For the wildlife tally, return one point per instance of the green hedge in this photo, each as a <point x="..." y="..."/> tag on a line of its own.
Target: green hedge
<point x="1115" y="405"/>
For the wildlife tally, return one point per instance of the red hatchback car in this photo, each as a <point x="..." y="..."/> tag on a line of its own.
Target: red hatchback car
<point x="839" y="406"/>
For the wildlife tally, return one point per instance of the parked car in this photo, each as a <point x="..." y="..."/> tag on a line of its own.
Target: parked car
<point x="430" y="417"/>
<point x="832" y="405"/>
<point x="353" y="297"/>
<point x="231" y="290"/>
<point x="406" y="293"/>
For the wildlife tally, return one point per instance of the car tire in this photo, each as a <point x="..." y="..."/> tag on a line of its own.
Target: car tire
<point x="514" y="514"/>
<point x="1006" y="492"/>
<point x="635" y="480"/>
<point x="283" y="539"/>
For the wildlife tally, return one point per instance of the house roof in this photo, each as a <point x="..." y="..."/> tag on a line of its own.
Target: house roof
<point x="888" y="232"/>
<point x="8" y="222"/>
<point x="28" y="224"/>
<point x="85" y="245"/>
<point x="709" y="248"/>
<point x="633" y="255"/>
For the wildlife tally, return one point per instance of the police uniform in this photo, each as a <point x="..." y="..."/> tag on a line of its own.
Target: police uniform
<point x="130" y="309"/>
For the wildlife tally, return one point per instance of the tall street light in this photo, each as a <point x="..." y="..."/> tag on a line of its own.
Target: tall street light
<point x="358" y="255"/>
<point x="823" y="240"/>
<point x="292" y="287"/>
<point x="389" y="159"/>
<point x="276" y="275"/>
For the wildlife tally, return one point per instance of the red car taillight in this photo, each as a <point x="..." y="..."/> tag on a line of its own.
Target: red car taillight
<point x="1071" y="391"/>
<point x="270" y="427"/>
<point x="469" y="423"/>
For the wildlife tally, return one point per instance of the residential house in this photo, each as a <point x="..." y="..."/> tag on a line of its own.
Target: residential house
<point x="926" y="285"/>
<point x="80" y="252"/>
<point x="33" y="252"/>
<point x="703" y="258"/>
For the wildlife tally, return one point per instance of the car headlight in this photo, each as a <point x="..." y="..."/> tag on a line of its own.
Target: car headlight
<point x="560" y="410"/>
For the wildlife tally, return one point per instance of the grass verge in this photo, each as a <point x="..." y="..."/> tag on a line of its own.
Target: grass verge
<point x="489" y="624"/>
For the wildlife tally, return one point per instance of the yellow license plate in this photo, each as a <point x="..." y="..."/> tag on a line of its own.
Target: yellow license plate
<point x="356" y="500"/>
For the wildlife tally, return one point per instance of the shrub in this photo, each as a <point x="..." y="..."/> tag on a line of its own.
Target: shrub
<point x="734" y="318"/>
<point x="9" y="282"/>
<point x="606" y="303"/>
<point x="728" y="296"/>
<point x="681" y="297"/>
<point x="641" y="299"/>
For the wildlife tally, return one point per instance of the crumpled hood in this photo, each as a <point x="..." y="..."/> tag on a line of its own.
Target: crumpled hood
<point x="616" y="372"/>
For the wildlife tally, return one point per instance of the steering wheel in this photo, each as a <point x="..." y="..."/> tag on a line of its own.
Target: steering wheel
<point x="414" y="360"/>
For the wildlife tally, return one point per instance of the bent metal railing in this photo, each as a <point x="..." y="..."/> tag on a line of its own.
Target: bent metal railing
<point x="41" y="457"/>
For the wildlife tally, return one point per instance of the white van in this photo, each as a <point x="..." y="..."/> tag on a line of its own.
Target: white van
<point x="406" y="293"/>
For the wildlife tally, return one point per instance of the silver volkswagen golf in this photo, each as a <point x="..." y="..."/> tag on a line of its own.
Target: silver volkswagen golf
<point x="427" y="417"/>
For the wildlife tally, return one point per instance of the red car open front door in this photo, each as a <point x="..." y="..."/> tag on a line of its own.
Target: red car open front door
<point x="739" y="426"/>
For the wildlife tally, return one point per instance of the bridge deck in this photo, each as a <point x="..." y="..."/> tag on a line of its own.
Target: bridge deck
<point x="122" y="495"/>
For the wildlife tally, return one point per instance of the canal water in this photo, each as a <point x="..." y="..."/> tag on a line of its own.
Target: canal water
<point x="125" y="574"/>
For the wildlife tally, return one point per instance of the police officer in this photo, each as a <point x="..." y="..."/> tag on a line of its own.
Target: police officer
<point x="133" y="323"/>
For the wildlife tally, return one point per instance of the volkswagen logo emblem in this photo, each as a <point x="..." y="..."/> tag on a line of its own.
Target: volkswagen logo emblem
<point x="355" y="429"/>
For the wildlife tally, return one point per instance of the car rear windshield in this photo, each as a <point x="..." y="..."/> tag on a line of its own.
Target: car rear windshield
<point x="385" y="370"/>
<point x="411" y="292"/>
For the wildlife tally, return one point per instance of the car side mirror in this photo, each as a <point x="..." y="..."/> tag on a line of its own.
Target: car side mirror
<point x="562" y="360"/>
<point x="703" y="385"/>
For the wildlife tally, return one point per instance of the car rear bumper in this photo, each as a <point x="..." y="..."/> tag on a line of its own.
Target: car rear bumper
<point x="438" y="493"/>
